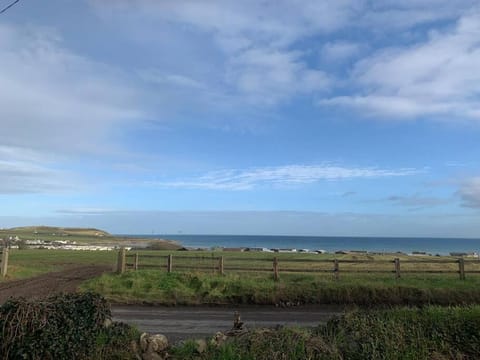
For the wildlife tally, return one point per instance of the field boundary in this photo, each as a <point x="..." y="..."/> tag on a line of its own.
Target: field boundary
<point x="3" y="261"/>
<point x="220" y="265"/>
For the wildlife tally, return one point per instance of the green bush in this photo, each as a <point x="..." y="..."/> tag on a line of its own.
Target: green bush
<point x="397" y="334"/>
<point x="115" y="342"/>
<point x="407" y="333"/>
<point x="70" y="326"/>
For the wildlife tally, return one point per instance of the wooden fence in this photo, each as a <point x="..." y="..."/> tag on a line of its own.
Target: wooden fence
<point x="3" y="261"/>
<point x="276" y="265"/>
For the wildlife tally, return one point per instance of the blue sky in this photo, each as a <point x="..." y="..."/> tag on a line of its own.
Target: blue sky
<point x="275" y="117"/>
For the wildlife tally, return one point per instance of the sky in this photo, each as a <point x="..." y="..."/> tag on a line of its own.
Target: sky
<point x="280" y="117"/>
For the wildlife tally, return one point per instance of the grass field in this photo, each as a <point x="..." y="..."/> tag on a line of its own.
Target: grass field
<point x="155" y="287"/>
<point x="28" y="263"/>
<point x="206" y="285"/>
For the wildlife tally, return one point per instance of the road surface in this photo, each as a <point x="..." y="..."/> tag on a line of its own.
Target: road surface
<point x="179" y="323"/>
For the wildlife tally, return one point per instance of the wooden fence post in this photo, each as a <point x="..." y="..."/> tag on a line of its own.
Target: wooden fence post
<point x="397" y="268"/>
<point x="121" y="261"/>
<point x="461" y="268"/>
<point x="220" y="266"/>
<point x="135" y="262"/>
<point x="275" y="268"/>
<point x="336" y="269"/>
<point x="169" y="263"/>
<point x="4" y="265"/>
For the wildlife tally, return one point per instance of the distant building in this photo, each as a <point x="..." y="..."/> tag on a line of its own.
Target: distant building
<point x="258" y="249"/>
<point x="464" y="254"/>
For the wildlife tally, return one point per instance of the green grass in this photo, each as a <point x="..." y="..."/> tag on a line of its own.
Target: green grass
<point x="51" y="233"/>
<point x="195" y="287"/>
<point x="398" y="334"/>
<point x="28" y="263"/>
<point x="82" y="236"/>
<point x="156" y="287"/>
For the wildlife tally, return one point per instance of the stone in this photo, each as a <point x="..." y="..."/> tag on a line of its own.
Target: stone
<point x="218" y="339"/>
<point x="201" y="345"/>
<point x="157" y="343"/>
<point x="152" y="356"/>
<point x="144" y="342"/>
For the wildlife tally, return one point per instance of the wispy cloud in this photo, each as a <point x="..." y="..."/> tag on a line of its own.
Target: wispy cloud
<point x="86" y="211"/>
<point x="268" y="76"/>
<point x="437" y="77"/>
<point x="52" y="98"/>
<point x="339" y="50"/>
<point x="469" y="192"/>
<point x="281" y="176"/>
<point x="21" y="173"/>
<point x="262" y="58"/>
<point x="156" y="76"/>
<point x="417" y="201"/>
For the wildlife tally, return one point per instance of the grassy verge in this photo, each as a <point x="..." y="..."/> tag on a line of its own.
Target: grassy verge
<point x="403" y="333"/>
<point x="155" y="287"/>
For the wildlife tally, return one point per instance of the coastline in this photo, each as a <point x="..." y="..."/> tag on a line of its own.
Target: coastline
<point x="380" y="245"/>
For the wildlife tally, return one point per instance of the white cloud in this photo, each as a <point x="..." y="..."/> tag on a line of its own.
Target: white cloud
<point x="438" y="77"/>
<point x="55" y="105"/>
<point x="254" y="38"/>
<point x="269" y="76"/>
<point x="339" y="50"/>
<point x="21" y="172"/>
<point x="262" y="58"/>
<point x="392" y="15"/>
<point x="470" y="192"/>
<point x="280" y="176"/>
<point x="417" y="201"/>
<point x="52" y="98"/>
<point x="156" y="76"/>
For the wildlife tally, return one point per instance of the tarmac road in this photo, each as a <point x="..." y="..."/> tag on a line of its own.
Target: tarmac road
<point x="179" y="323"/>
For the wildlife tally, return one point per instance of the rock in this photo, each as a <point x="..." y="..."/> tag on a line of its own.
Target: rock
<point x="153" y="356"/>
<point x="135" y="349"/>
<point x="157" y="343"/>
<point x="218" y="339"/>
<point x="153" y="347"/>
<point x="201" y="345"/>
<point x="144" y="342"/>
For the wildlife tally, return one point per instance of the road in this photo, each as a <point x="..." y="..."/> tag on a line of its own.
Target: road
<point x="179" y="323"/>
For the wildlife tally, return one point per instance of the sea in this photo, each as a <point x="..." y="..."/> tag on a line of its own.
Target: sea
<point x="434" y="246"/>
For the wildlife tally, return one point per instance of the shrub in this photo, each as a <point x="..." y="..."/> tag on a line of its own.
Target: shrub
<point x="60" y="327"/>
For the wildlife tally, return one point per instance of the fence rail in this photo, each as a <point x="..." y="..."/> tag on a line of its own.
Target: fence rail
<point x="3" y="261"/>
<point x="221" y="264"/>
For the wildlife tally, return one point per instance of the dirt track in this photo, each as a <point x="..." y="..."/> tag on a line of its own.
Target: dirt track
<point x="51" y="283"/>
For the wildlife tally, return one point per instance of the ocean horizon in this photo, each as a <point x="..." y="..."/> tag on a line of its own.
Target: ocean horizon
<point x="432" y="245"/>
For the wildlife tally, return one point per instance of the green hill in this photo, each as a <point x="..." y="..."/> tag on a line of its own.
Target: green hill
<point x="57" y="233"/>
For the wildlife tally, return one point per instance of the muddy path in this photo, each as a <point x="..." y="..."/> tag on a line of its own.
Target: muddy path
<point x="66" y="280"/>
